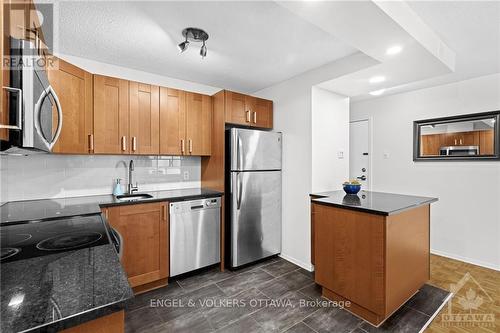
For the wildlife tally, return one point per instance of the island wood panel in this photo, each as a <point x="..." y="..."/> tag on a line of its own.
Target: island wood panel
<point x="172" y="121"/>
<point x="144" y="228"/>
<point x="349" y="255"/>
<point x="212" y="167"/>
<point x="144" y="118"/>
<point x="112" y="323"/>
<point x="313" y="251"/>
<point x="198" y="124"/>
<point x="111" y="115"/>
<point x="407" y="255"/>
<point x="486" y="142"/>
<point x="73" y="87"/>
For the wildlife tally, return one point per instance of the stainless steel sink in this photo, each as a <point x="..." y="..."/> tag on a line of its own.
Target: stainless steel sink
<point x="134" y="197"/>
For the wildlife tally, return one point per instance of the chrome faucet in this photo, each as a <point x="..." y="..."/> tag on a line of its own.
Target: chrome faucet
<point x="131" y="187"/>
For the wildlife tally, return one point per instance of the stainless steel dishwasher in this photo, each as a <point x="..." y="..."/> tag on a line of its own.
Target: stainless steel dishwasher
<point x="194" y="234"/>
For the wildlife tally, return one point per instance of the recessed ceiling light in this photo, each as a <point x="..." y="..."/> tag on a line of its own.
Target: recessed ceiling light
<point x="394" y="50"/>
<point x="377" y="92"/>
<point x="377" y="79"/>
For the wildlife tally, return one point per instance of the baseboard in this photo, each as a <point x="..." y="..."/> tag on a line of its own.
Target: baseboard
<point x="465" y="259"/>
<point x="307" y="267"/>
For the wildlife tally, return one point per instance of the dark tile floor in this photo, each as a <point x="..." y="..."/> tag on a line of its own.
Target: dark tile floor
<point x="270" y="296"/>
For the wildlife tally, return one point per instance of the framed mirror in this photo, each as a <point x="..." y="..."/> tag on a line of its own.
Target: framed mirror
<point x="473" y="137"/>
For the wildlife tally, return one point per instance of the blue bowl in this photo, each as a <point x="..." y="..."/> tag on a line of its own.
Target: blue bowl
<point x="352" y="189"/>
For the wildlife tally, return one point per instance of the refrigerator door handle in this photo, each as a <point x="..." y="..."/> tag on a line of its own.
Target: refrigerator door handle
<point x="238" y="154"/>
<point x="239" y="191"/>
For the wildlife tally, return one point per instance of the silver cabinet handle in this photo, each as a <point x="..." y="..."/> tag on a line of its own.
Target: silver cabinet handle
<point x="124" y="143"/>
<point x="248" y="116"/>
<point x="19" y="125"/>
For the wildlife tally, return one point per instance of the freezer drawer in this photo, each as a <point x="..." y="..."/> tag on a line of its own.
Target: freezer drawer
<point x="255" y="208"/>
<point x="194" y="235"/>
<point x="254" y="150"/>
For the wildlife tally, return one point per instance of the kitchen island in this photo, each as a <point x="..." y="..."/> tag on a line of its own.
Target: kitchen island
<point x="371" y="249"/>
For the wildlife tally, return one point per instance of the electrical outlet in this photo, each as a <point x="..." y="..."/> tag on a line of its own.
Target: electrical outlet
<point x="186" y="175"/>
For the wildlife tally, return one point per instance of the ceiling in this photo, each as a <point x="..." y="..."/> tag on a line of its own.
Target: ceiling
<point x="252" y="45"/>
<point x="256" y="44"/>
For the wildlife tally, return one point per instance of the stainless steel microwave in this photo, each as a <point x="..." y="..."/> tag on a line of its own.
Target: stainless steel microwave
<point x="459" y="151"/>
<point x="34" y="115"/>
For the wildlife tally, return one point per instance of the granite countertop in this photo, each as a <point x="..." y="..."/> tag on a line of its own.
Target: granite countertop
<point x="53" y="292"/>
<point x="54" y="208"/>
<point x="57" y="291"/>
<point x="379" y="203"/>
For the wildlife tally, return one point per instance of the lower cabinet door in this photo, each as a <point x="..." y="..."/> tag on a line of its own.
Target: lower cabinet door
<point x="144" y="229"/>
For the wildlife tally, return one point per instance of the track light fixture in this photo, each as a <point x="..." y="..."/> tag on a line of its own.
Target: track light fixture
<point x="194" y="35"/>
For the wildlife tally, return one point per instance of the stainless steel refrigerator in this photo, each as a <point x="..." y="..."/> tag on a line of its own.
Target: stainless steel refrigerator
<point x="253" y="195"/>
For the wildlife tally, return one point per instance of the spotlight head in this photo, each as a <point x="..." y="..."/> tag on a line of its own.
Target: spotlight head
<point x="203" y="50"/>
<point x="183" y="46"/>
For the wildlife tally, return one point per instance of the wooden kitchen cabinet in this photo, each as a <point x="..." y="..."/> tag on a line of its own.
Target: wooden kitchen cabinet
<point x="247" y="110"/>
<point x="144" y="229"/>
<point x="198" y="124"/>
<point x="263" y="114"/>
<point x="185" y="122"/>
<point x="144" y="119"/>
<point x="236" y="110"/>
<point x="111" y="115"/>
<point x="172" y="121"/>
<point x="486" y="142"/>
<point x="73" y="87"/>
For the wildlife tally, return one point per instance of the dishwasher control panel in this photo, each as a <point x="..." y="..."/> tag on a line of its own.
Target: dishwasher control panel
<point x="186" y="206"/>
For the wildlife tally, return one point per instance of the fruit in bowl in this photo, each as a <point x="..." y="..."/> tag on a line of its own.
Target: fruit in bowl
<point x="352" y="186"/>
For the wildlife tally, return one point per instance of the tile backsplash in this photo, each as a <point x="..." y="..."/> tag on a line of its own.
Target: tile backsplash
<point x="57" y="176"/>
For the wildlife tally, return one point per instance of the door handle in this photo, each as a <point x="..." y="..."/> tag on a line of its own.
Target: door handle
<point x="134" y="143"/>
<point x="255" y="117"/>
<point x="91" y="142"/>
<point x="124" y="143"/>
<point x="190" y="146"/>
<point x="38" y="108"/>
<point x="362" y="177"/>
<point x="248" y="116"/>
<point x="164" y="212"/>
<point x="182" y="146"/>
<point x="238" y="191"/>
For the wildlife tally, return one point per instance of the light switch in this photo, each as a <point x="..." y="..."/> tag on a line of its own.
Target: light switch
<point x="340" y="154"/>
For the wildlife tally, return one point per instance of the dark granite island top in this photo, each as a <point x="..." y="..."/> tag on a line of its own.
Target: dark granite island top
<point x="379" y="203"/>
<point x="54" y="292"/>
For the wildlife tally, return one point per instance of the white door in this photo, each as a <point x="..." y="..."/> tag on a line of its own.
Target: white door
<point x="359" y="152"/>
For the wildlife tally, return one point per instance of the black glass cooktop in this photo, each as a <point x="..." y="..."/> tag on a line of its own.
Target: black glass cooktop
<point x="39" y="238"/>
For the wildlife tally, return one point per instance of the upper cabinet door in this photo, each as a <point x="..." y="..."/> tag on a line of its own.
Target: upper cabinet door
<point x="198" y="124"/>
<point x="262" y="115"/>
<point x="172" y="121"/>
<point x="73" y="86"/>
<point x="111" y="115"/>
<point x="144" y="119"/>
<point x="237" y="111"/>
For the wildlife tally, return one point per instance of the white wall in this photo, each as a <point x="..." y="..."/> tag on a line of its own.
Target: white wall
<point x="101" y="68"/>
<point x="465" y="222"/>
<point x="292" y="116"/>
<point x="44" y="176"/>
<point x="330" y="135"/>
